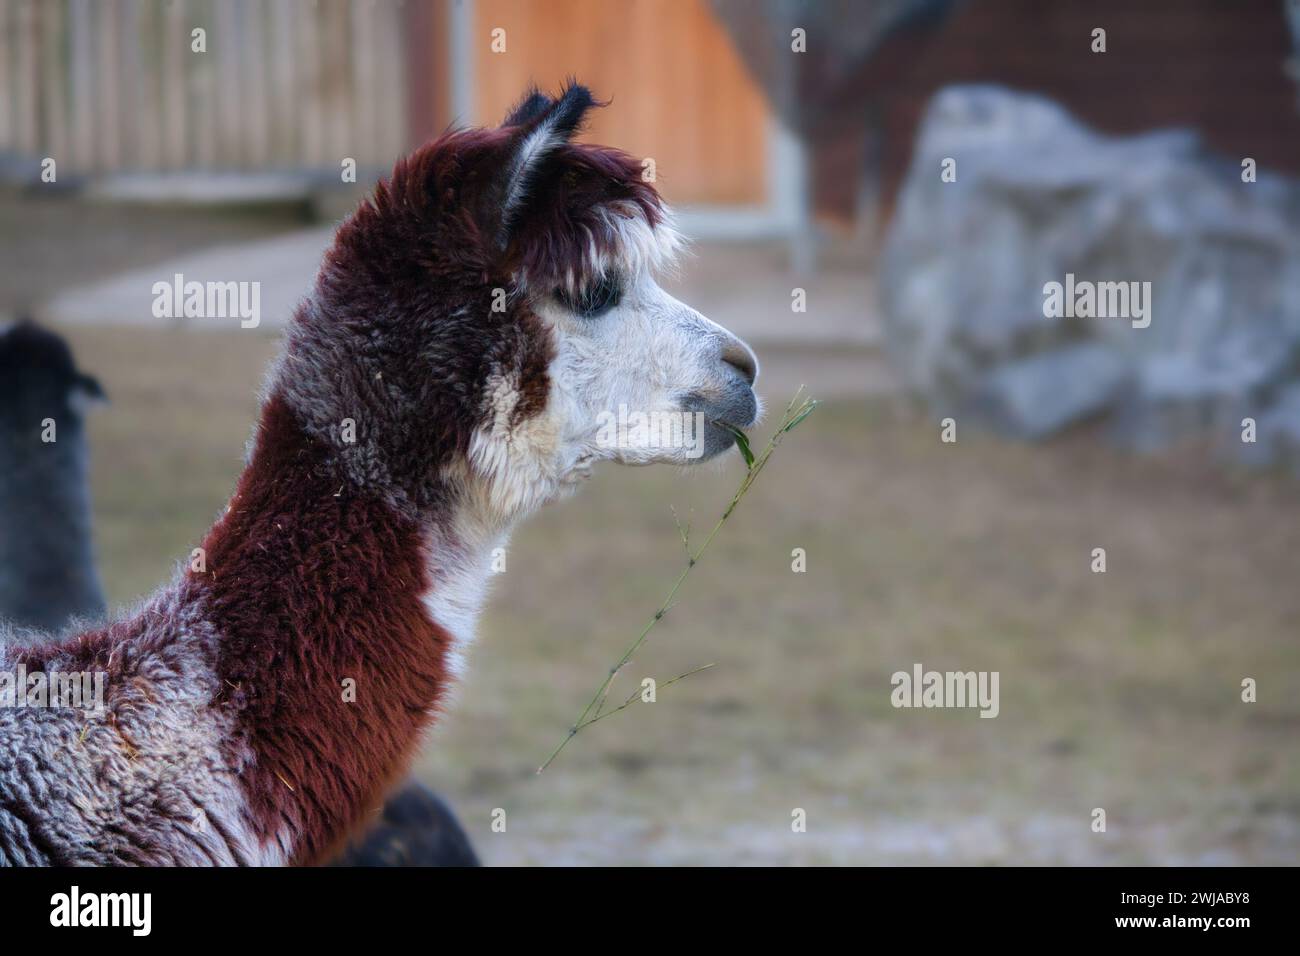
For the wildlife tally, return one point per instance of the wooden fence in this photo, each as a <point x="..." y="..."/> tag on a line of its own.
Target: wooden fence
<point x="117" y="85"/>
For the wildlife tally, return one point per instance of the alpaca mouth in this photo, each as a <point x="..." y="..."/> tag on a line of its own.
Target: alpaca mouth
<point x="732" y="420"/>
<point x="737" y="411"/>
<point x="719" y="436"/>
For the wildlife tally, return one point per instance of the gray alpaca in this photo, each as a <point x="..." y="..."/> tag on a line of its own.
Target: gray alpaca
<point x="47" y="568"/>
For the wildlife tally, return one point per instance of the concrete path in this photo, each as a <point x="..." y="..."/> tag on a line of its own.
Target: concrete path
<point x="284" y="265"/>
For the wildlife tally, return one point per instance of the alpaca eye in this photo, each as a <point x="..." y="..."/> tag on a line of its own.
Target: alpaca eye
<point x="597" y="299"/>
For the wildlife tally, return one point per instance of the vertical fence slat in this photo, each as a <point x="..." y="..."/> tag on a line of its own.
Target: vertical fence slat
<point x="343" y="140"/>
<point x="128" y="65"/>
<point x="109" y="130"/>
<point x="201" y="90"/>
<point x="82" y="85"/>
<point x="223" y="49"/>
<point x="257" y="53"/>
<point x="310" y="88"/>
<point x="54" y="104"/>
<point x="281" y="92"/>
<point x="27" y="82"/>
<point x="390" y="82"/>
<point x="395" y="55"/>
<point x="147" y="26"/>
<point x="366" y="109"/>
<point x="383" y="104"/>
<point x="175" y="42"/>
<point x="7" y="93"/>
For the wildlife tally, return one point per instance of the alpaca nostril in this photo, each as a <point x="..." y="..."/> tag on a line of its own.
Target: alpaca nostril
<point x="739" y="357"/>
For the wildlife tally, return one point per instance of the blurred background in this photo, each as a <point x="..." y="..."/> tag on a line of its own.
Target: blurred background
<point x="807" y="148"/>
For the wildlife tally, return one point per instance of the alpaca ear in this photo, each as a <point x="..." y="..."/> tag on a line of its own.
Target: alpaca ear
<point x="87" y="391"/>
<point x="543" y="125"/>
<point x="533" y="104"/>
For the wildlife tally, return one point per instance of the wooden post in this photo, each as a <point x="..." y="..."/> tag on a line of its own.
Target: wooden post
<point x="392" y="104"/>
<point x="428" y="108"/>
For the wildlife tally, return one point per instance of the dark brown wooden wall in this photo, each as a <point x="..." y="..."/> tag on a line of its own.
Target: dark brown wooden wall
<point x="1215" y="65"/>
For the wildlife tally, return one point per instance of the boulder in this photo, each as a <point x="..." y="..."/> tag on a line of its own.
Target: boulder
<point x="1034" y="397"/>
<point x="1039" y="198"/>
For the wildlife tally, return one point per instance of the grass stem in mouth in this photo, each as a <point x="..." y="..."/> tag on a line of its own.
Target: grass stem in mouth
<point x="742" y="442"/>
<point x="798" y="409"/>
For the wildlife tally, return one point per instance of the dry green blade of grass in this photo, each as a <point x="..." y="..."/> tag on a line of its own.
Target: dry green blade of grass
<point x="795" y="413"/>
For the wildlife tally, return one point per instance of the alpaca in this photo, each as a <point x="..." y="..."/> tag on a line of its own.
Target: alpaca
<point x="417" y="828"/>
<point x="47" y="569"/>
<point x="48" y="577"/>
<point x="470" y="330"/>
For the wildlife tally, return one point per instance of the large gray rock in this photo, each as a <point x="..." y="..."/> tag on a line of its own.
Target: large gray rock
<point x="1035" y="397"/>
<point x="1039" y="197"/>
<point x="1176" y="394"/>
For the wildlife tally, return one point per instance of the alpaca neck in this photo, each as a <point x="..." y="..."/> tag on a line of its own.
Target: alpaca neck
<point x="461" y="556"/>
<point x="341" y="617"/>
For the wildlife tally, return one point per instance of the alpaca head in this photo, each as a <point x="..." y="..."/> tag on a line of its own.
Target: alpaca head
<point x="491" y="316"/>
<point x="39" y="380"/>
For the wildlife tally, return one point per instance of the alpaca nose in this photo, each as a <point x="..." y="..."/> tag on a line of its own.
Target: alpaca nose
<point x="740" y="357"/>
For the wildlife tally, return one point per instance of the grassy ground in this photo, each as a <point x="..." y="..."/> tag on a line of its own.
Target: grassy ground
<point x="1118" y="690"/>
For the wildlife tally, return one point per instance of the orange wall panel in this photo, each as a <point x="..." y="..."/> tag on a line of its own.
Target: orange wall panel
<point x="678" y="93"/>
